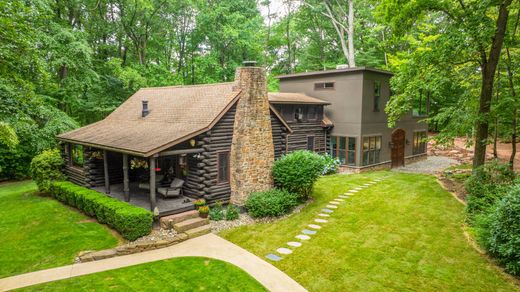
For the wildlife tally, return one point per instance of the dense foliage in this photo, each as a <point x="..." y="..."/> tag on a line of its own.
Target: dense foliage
<point x="46" y="168"/>
<point x="330" y="164"/>
<point x="232" y="212"/>
<point x="271" y="203"/>
<point x="500" y="231"/>
<point x="297" y="171"/>
<point x="130" y="221"/>
<point x="488" y="184"/>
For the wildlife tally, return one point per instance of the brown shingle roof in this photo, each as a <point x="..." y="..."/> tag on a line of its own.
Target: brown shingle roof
<point x="176" y="114"/>
<point x="294" y="98"/>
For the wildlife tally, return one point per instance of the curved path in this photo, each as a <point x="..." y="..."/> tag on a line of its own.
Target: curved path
<point x="208" y="245"/>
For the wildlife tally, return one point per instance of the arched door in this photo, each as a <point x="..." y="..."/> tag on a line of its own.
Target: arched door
<point x="398" y="143"/>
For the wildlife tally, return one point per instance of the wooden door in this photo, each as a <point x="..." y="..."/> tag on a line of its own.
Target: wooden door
<point x="398" y="143"/>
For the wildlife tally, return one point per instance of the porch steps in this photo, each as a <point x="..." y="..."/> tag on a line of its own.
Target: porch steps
<point x="167" y="222"/>
<point x="201" y="230"/>
<point x="189" y="224"/>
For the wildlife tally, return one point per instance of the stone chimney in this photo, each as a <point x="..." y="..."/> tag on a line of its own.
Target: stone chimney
<point x="252" y="149"/>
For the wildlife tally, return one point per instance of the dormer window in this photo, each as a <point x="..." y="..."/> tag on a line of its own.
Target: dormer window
<point x="323" y="85"/>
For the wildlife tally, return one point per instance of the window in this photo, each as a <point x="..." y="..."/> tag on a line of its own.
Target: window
<point x="298" y="114"/>
<point x="77" y="155"/>
<point x="223" y="167"/>
<point x="323" y="85"/>
<point x="311" y="113"/>
<point x="420" y="104"/>
<point x="344" y="148"/>
<point x="310" y="143"/>
<point x="419" y="142"/>
<point x="371" y="150"/>
<point x="377" y="95"/>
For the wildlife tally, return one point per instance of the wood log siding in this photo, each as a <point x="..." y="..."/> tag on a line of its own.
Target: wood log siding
<point x="279" y="136"/>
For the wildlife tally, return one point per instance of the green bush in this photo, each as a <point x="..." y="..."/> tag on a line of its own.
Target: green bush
<point x="216" y="212"/>
<point x="271" y="203"/>
<point x="297" y="171"/>
<point x="232" y="212"/>
<point x="486" y="186"/>
<point x="46" y="168"/>
<point x="130" y="221"/>
<point x="330" y="164"/>
<point x="503" y="235"/>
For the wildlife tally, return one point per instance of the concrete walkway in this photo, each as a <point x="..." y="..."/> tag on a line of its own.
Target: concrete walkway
<point x="209" y="245"/>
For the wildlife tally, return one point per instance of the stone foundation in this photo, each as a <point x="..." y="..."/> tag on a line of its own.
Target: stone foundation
<point x="252" y="149"/>
<point x="381" y="166"/>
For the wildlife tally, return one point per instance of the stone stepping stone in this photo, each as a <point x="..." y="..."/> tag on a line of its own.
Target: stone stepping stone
<point x="331" y="206"/>
<point x="358" y="188"/>
<point x="303" y="237"/>
<point x="283" y="250"/>
<point x="352" y="191"/>
<point x="319" y="220"/>
<point x="344" y="197"/>
<point x="314" y="226"/>
<point x="324" y="215"/>
<point x="294" y="244"/>
<point x="273" y="257"/>
<point x="339" y="200"/>
<point x="327" y="210"/>
<point x="367" y="184"/>
<point x="334" y="203"/>
<point x="308" y="232"/>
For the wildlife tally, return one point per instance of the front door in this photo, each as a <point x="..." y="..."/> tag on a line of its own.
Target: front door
<point x="398" y="142"/>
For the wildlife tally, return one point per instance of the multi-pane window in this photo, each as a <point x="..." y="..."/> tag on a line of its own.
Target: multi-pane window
<point x="344" y="148"/>
<point x="310" y="143"/>
<point x="377" y="95"/>
<point x="223" y="167"/>
<point x="419" y="142"/>
<point x="311" y="113"/>
<point x="323" y="85"/>
<point x="371" y="150"/>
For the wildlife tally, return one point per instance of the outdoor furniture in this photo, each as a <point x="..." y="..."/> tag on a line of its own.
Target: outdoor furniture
<point x="174" y="190"/>
<point x="146" y="185"/>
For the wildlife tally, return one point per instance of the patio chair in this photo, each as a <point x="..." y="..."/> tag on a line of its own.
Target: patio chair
<point x="174" y="190"/>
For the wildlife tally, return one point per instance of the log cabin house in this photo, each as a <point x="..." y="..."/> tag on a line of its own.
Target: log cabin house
<point x="220" y="140"/>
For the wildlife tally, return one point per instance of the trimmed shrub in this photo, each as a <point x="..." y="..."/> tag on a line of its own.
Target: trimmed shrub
<point x="486" y="186"/>
<point x="330" y="164"/>
<point x="216" y="212"/>
<point x="271" y="203"/>
<point x="130" y="221"/>
<point x="232" y="212"/>
<point x="297" y="171"/>
<point x="46" y="168"/>
<point x="503" y="239"/>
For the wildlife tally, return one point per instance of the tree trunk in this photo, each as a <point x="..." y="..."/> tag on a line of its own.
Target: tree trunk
<point x="514" y="117"/>
<point x="350" y="34"/>
<point x="495" y="136"/>
<point x="488" y="67"/>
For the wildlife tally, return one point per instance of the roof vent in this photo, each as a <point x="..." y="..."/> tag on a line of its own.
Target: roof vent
<point x="341" y="66"/>
<point x="249" y="63"/>
<point x="145" y="108"/>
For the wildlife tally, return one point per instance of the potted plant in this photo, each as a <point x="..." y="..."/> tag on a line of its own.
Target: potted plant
<point x="204" y="211"/>
<point x="199" y="203"/>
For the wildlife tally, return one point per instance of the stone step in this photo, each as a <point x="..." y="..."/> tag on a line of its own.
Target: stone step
<point x="190" y="224"/>
<point x="204" y="229"/>
<point x="167" y="222"/>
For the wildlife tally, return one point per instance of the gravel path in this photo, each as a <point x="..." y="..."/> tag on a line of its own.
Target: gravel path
<point x="431" y="165"/>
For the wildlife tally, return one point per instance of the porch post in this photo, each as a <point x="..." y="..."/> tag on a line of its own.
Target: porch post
<point x="153" y="201"/>
<point x="105" y="168"/>
<point x="126" y="188"/>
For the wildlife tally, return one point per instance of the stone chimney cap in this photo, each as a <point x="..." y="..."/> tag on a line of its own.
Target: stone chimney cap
<point x="249" y="63"/>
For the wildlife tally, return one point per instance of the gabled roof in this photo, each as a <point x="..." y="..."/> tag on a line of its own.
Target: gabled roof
<point x="334" y="71"/>
<point x="293" y="98"/>
<point x="176" y="113"/>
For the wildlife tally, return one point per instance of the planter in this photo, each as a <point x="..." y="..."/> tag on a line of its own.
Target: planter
<point x="203" y="215"/>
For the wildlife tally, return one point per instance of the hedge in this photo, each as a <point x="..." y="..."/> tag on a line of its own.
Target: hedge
<point x="130" y="221"/>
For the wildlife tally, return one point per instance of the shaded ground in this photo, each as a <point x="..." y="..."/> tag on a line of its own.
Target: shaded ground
<point x="38" y="232"/>
<point x="431" y="165"/>
<point x="178" y="274"/>
<point x="404" y="233"/>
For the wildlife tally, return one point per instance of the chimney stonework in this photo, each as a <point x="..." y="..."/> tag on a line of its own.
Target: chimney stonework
<point x="252" y="149"/>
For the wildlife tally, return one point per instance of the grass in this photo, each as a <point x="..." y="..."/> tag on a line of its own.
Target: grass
<point x="178" y="274"/>
<point x="404" y="234"/>
<point x="38" y="232"/>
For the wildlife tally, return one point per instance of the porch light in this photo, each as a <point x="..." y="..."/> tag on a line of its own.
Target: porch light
<point x="197" y="156"/>
<point x="192" y="142"/>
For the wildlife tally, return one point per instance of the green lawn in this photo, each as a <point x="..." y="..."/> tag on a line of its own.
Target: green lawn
<point x="178" y="274"/>
<point x="404" y="233"/>
<point x="38" y="232"/>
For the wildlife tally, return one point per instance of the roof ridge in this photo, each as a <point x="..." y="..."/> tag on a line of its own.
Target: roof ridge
<point x="187" y="86"/>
